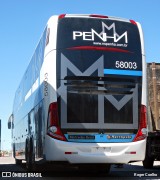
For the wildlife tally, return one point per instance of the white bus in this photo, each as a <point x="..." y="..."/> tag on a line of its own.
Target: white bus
<point x="82" y="98"/>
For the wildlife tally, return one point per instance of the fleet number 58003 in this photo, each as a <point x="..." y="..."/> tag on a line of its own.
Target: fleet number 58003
<point x="125" y="65"/>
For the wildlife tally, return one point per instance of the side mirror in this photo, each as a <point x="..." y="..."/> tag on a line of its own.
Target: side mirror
<point x="10" y="122"/>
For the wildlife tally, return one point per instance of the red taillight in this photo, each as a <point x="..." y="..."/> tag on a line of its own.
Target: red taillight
<point x="142" y="131"/>
<point x="53" y="115"/>
<point x="61" y="16"/>
<point x="133" y="22"/>
<point x="54" y="129"/>
<point x="143" y="122"/>
<point x="98" y="16"/>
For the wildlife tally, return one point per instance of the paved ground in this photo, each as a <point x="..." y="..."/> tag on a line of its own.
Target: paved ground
<point x="128" y="171"/>
<point x="7" y="160"/>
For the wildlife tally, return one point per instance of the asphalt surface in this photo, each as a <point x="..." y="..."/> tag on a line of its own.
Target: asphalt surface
<point x="9" y="170"/>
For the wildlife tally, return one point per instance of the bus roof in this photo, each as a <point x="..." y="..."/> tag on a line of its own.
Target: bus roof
<point x="96" y="16"/>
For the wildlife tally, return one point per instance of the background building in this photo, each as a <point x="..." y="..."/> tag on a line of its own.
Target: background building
<point x="153" y="76"/>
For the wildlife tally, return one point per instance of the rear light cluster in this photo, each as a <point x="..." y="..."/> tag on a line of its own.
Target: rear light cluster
<point x="62" y="16"/>
<point x="98" y="16"/>
<point x="92" y="15"/>
<point x="133" y="22"/>
<point x="142" y="131"/>
<point x="53" y="129"/>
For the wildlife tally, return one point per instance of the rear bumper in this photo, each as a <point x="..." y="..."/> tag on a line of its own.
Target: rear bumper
<point x="76" y="153"/>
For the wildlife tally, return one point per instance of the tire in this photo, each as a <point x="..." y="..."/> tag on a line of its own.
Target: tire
<point x="18" y="162"/>
<point x="14" y="151"/>
<point x="148" y="162"/>
<point x="30" y="157"/>
<point x="149" y="159"/>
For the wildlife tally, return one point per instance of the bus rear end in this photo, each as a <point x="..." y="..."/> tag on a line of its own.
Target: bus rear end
<point x="100" y="113"/>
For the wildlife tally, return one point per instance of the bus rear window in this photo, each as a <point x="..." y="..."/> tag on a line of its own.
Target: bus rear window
<point x="75" y="32"/>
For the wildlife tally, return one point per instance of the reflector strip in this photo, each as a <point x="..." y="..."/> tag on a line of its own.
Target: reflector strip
<point x="122" y="72"/>
<point x="71" y="153"/>
<point x="132" y="152"/>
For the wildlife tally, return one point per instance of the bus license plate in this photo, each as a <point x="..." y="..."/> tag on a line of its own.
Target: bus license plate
<point x="101" y="149"/>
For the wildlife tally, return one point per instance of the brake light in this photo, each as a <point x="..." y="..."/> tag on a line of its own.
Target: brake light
<point x="142" y="131"/>
<point x="133" y="22"/>
<point x="61" y="16"/>
<point x="53" y="129"/>
<point x="98" y="16"/>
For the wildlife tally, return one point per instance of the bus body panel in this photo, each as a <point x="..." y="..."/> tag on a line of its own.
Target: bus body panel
<point x="94" y="152"/>
<point x="144" y="67"/>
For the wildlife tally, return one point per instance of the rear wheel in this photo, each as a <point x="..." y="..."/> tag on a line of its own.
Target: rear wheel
<point x="149" y="159"/>
<point x="148" y="162"/>
<point x="30" y="158"/>
<point x="18" y="161"/>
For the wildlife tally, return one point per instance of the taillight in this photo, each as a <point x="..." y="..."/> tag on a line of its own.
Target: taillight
<point x="142" y="131"/>
<point x="53" y="128"/>
<point x="61" y="16"/>
<point x="98" y="16"/>
<point x="133" y="22"/>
